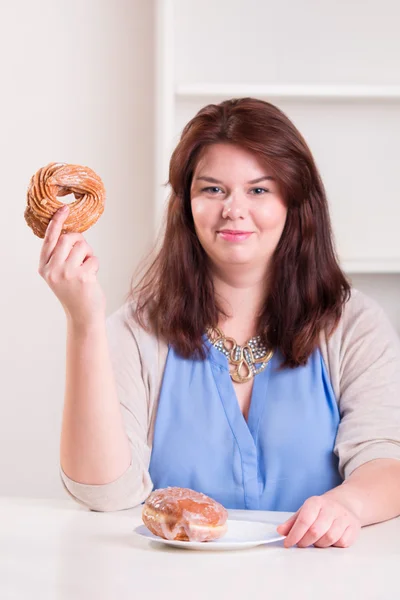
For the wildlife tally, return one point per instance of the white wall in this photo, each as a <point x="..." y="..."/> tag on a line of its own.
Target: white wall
<point x="77" y="86"/>
<point x="385" y="289"/>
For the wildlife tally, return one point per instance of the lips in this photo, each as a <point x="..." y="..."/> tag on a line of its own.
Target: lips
<point x="234" y="231"/>
<point x="231" y="235"/>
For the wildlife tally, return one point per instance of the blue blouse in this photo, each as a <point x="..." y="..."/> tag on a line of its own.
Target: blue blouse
<point x="280" y="457"/>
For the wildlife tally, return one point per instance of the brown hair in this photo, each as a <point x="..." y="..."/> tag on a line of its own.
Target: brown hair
<point x="306" y="287"/>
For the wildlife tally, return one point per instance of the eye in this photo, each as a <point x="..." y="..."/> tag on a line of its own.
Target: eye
<point x="259" y="191"/>
<point x="212" y="190"/>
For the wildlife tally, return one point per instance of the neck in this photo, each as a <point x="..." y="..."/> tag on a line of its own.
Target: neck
<point x="241" y="293"/>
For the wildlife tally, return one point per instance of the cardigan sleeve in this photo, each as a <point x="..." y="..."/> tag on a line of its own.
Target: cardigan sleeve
<point x="133" y="486"/>
<point x="369" y="376"/>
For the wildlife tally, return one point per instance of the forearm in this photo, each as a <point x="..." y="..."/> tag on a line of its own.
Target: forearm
<point x="372" y="492"/>
<point x="94" y="445"/>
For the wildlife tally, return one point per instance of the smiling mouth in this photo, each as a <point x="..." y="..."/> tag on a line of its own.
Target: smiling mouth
<point x="234" y="236"/>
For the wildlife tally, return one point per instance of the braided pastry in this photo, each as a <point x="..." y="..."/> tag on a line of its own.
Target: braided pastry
<point x="60" y="179"/>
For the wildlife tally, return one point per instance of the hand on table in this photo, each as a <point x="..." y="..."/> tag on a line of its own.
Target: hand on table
<point x="322" y="521"/>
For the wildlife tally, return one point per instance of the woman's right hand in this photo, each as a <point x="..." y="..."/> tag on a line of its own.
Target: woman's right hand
<point x="69" y="267"/>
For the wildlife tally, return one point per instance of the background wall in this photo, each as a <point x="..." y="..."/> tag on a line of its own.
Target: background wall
<point x="78" y="86"/>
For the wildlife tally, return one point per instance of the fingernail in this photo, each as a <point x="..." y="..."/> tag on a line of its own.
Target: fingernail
<point x="64" y="208"/>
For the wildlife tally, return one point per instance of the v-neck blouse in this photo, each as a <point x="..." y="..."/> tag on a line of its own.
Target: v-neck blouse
<point x="277" y="459"/>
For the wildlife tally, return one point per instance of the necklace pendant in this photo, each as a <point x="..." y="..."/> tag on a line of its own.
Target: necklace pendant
<point x="236" y="374"/>
<point x="242" y="359"/>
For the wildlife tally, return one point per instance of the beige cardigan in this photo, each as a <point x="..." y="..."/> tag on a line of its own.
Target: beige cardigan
<point x="362" y="357"/>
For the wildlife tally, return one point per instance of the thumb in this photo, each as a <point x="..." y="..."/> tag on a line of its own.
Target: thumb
<point x="284" y="528"/>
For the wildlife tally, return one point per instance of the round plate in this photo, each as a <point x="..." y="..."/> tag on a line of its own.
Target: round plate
<point x="240" y="535"/>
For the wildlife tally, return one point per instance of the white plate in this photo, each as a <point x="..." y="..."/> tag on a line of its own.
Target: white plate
<point x="240" y="535"/>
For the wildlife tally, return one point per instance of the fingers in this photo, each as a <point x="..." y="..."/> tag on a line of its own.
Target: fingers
<point x="349" y="537"/>
<point x="307" y="515"/>
<point x="285" y="527"/>
<point x="69" y="255"/>
<point x="322" y="523"/>
<point x="333" y="534"/>
<point x="320" y="527"/>
<point x="89" y="269"/>
<point x="63" y="248"/>
<point x="77" y="256"/>
<point x="52" y="235"/>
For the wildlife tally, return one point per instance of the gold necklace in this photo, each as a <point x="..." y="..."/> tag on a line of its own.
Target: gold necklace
<point x="242" y="359"/>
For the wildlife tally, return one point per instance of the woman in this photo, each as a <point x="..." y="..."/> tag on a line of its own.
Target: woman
<point x="243" y="365"/>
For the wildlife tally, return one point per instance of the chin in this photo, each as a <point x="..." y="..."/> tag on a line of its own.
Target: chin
<point x="237" y="258"/>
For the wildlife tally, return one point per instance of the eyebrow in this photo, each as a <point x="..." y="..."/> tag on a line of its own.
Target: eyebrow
<point x="212" y="180"/>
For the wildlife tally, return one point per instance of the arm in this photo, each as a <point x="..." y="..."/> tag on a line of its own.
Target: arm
<point x="372" y="491"/>
<point x="94" y="445"/>
<point x="368" y="438"/>
<point x="104" y="452"/>
<point x="130" y="487"/>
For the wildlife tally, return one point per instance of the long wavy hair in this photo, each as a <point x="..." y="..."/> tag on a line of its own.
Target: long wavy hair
<point x="306" y="288"/>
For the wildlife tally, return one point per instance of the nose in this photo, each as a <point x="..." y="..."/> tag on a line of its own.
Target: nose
<point x="235" y="207"/>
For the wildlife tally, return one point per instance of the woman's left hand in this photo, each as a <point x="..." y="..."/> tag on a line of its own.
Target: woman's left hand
<point x="322" y="521"/>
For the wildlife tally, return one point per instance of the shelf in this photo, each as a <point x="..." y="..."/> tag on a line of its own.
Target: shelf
<point x="308" y="92"/>
<point x="371" y="265"/>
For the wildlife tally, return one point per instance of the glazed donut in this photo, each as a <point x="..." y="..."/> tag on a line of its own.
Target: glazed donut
<point x="60" y="179"/>
<point x="177" y="513"/>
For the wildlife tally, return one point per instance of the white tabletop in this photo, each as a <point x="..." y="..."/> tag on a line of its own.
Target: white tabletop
<point x="56" y="550"/>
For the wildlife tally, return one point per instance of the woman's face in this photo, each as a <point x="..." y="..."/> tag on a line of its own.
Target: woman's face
<point x="238" y="210"/>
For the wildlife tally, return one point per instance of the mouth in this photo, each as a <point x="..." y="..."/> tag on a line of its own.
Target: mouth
<point x="231" y="235"/>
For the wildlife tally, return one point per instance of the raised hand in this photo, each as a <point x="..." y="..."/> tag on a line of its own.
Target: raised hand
<point x="68" y="265"/>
